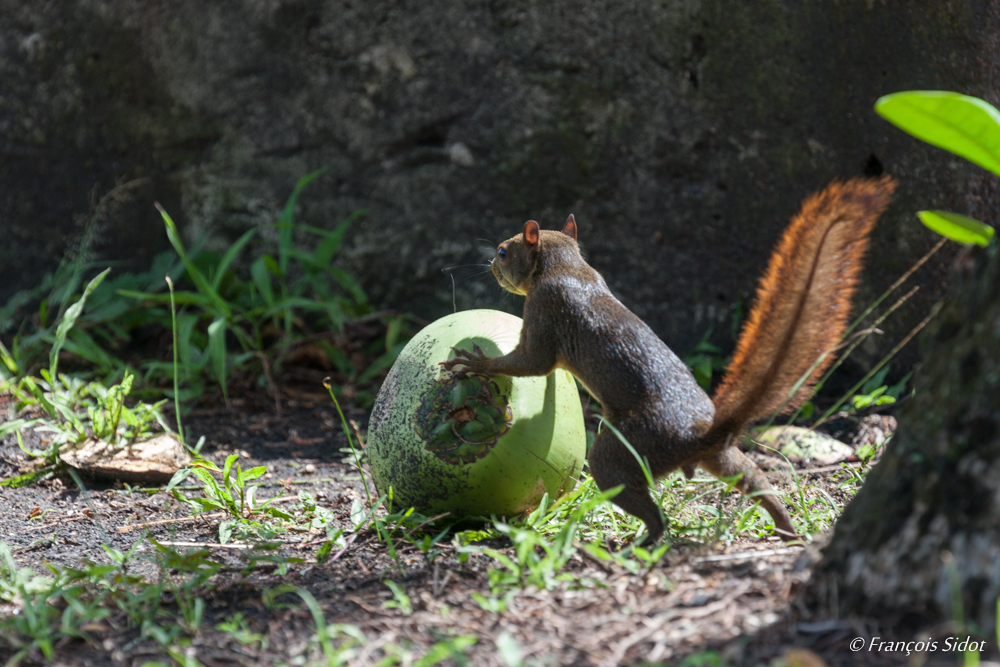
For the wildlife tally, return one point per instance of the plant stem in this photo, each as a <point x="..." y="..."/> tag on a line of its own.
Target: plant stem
<point x="350" y="441"/>
<point x="173" y="321"/>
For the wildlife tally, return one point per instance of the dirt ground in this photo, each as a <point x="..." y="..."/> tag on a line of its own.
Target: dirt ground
<point x="738" y="600"/>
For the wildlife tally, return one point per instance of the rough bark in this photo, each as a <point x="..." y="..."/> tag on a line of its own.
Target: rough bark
<point x="682" y="134"/>
<point x="937" y="489"/>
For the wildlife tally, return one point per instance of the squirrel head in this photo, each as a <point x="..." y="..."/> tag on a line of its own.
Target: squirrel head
<point x="517" y="261"/>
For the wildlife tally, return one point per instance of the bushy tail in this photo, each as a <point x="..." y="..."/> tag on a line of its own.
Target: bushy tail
<point x="803" y="303"/>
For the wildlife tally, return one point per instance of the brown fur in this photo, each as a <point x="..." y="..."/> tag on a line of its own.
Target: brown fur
<point x="803" y="302"/>
<point x="572" y="321"/>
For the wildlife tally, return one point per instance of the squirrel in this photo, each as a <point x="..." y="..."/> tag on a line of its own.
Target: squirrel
<point x="572" y="321"/>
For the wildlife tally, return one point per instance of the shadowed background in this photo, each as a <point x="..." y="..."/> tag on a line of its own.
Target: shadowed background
<point x="683" y="135"/>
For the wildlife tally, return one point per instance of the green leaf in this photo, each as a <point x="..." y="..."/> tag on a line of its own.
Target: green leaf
<point x="252" y="473"/>
<point x="288" y="215"/>
<point x="217" y="348"/>
<point x="208" y="465"/>
<point x="275" y="512"/>
<point x="80" y="343"/>
<point x="207" y="479"/>
<point x="226" y="530"/>
<point x="178" y="477"/>
<point x="8" y="360"/>
<point x="197" y="277"/>
<point x="230" y="460"/>
<point x="358" y="515"/>
<point x="16" y="425"/>
<point x="40" y="397"/>
<point x="324" y="552"/>
<point x="875" y="382"/>
<point x="897" y="389"/>
<point x="966" y="126"/>
<point x="261" y="277"/>
<point x="957" y="227"/>
<point x="25" y="479"/>
<point x="202" y="505"/>
<point x="509" y="650"/>
<point x="69" y="319"/>
<point x="327" y="248"/>
<point x="348" y="283"/>
<point x="181" y="298"/>
<point x="230" y="255"/>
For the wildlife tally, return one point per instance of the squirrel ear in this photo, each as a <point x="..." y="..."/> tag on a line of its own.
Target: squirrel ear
<point x="531" y="233"/>
<point x="569" y="229"/>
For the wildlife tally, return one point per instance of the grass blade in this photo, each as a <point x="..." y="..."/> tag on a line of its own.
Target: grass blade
<point x="217" y="348"/>
<point x="69" y="319"/>
<point x="261" y="277"/>
<point x="197" y="277"/>
<point x="288" y="215"/>
<point x="230" y="255"/>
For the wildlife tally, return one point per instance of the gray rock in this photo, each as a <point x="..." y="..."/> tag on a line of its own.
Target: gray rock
<point x="802" y="444"/>
<point x="682" y="134"/>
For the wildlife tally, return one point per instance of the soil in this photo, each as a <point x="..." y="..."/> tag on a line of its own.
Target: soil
<point x="737" y="599"/>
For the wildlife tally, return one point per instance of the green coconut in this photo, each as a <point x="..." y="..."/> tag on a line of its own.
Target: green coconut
<point x="479" y="446"/>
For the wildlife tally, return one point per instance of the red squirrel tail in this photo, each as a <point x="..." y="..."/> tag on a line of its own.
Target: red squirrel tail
<point x="803" y="303"/>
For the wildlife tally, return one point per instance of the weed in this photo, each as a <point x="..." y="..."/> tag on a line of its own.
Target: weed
<point x="400" y="600"/>
<point x="73" y="602"/>
<point x="261" y="313"/>
<point x="75" y="410"/>
<point x="227" y="322"/>
<point x="247" y="516"/>
<point x="340" y="643"/>
<point x="705" y="360"/>
<point x="237" y="627"/>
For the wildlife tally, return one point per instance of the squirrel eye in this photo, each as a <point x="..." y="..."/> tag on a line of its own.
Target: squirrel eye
<point x="502" y="253"/>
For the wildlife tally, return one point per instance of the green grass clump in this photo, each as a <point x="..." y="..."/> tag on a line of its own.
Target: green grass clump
<point x="230" y="321"/>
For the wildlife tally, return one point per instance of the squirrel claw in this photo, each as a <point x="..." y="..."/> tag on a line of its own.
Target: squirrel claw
<point x="470" y="361"/>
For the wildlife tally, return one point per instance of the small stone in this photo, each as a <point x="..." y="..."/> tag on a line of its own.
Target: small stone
<point x="310" y="468"/>
<point x="799" y="444"/>
<point x="461" y="155"/>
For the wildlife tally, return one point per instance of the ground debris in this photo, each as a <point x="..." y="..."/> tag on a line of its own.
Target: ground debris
<point x="151" y="461"/>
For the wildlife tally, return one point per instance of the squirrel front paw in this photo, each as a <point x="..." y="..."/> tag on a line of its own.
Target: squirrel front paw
<point x="472" y="362"/>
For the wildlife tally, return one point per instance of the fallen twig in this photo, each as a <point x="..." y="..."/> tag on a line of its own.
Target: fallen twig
<point x="748" y="554"/>
<point x="136" y="526"/>
<point x="71" y="519"/>
<point x="206" y="545"/>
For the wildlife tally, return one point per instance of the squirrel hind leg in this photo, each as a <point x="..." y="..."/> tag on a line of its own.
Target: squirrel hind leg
<point x="612" y="464"/>
<point x="730" y="462"/>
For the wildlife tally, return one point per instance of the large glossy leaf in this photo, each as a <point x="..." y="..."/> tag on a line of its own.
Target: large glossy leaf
<point x="966" y="126"/>
<point x="957" y="227"/>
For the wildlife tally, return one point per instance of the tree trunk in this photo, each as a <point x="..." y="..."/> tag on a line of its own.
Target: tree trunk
<point x="936" y="491"/>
